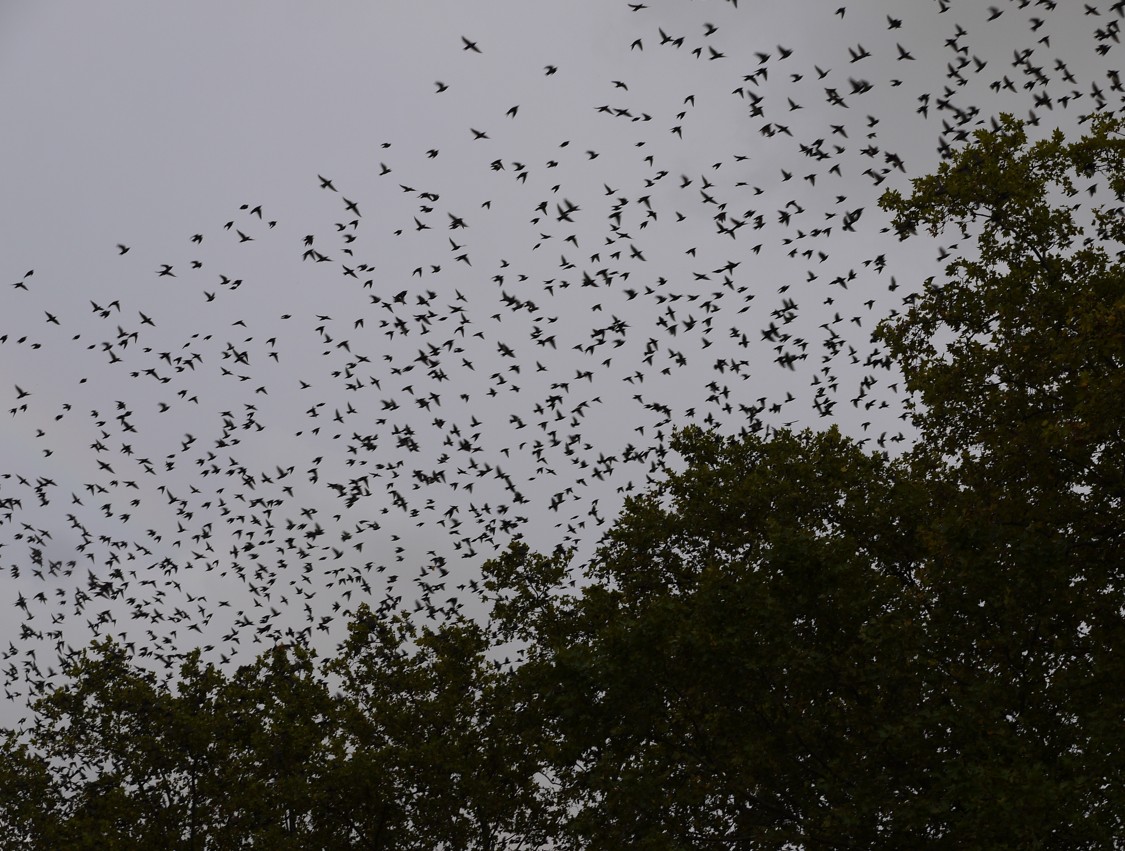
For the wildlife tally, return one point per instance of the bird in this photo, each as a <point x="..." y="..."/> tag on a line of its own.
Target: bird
<point x="471" y="408"/>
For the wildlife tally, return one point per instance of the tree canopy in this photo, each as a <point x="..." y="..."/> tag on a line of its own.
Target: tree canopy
<point x="789" y="642"/>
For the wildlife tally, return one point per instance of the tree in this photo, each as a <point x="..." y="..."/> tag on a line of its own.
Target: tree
<point x="790" y="642"/>
<point x="398" y="742"/>
<point x="428" y="723"/>
<point x="795" y="644"/>
<point x="744" y="669"/>
<point x="125" y="762"/>
<point x="1017" y="361"/>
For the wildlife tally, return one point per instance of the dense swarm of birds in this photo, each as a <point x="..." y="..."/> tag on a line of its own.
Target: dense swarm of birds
<point x="463" y="359"/>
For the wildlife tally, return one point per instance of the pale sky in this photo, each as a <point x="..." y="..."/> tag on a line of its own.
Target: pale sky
<point x="260" y="439"/>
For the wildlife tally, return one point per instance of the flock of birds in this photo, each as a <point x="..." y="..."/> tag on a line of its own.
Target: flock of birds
<point x="231" y="461"/>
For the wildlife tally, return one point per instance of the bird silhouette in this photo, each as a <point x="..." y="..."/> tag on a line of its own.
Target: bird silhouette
<point x="242" y="444"/>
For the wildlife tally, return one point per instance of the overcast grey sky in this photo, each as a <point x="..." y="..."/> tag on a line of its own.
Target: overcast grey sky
<point x="336" y="385"/>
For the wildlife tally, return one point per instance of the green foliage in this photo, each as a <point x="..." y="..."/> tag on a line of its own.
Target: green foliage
<point x="788" y="643"/>
<point x="400" y="741"/>
<point x="747" y="666"/>
<point x="1026" y="397"/>
<point x="1035" y="324"/>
